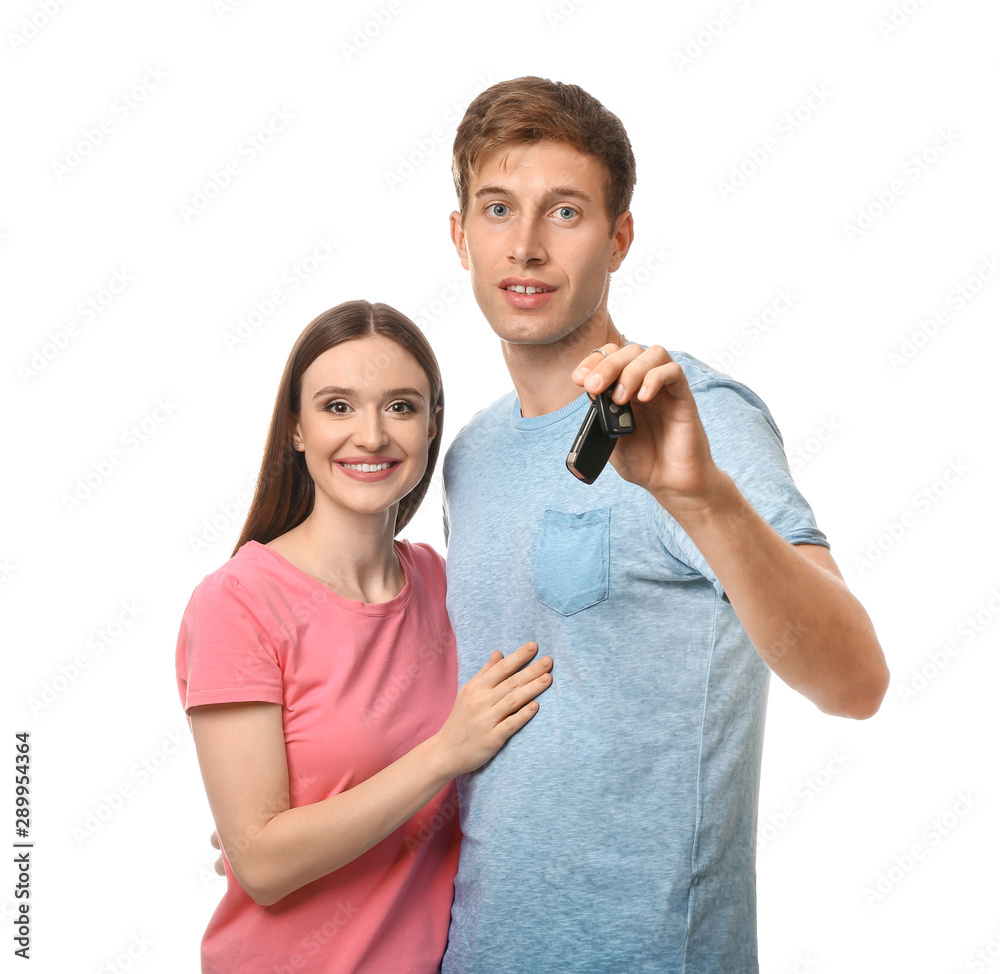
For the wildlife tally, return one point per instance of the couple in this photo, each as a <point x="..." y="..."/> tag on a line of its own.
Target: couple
<point x="607" y="789"/>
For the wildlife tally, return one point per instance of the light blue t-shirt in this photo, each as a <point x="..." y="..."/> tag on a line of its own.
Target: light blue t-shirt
<point x="616" y="831"/>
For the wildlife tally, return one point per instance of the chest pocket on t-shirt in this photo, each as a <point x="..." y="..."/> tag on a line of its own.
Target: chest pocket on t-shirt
<point x="574" y="556"/>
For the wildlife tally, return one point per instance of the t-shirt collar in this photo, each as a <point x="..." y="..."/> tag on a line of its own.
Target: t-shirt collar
<point x="528" y="423"/>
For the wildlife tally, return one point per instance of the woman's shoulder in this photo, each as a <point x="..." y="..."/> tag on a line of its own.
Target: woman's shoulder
<point x="243" y="578"/>
<point x="425" y="561"/>
<point x="420" y="553"/>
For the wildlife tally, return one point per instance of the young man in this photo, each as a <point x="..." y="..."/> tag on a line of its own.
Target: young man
<point x="616" y="832"/>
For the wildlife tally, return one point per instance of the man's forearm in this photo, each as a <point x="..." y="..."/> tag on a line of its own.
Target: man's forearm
<point x="794" y="605"/>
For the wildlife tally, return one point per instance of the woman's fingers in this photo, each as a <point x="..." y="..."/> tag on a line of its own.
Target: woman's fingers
<point x="510" y="672"/>
<point x="219" y="866"/>
<point x="518" y="690"/>
<point x="509" y="726"/>
<point x="511" y="683"/>
<point x="495" y="657"/>
<point x="495" y="704"/>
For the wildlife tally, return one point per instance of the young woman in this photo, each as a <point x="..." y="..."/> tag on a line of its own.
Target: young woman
<point x="318" y="670"/>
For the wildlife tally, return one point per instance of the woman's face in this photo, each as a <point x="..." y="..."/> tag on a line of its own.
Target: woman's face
<point x="365" y="424"/>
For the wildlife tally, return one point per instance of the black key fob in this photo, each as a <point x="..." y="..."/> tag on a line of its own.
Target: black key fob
<point x="604" y="422"/>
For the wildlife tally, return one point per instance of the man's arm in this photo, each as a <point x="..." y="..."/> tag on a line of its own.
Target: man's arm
<point x="792" y="600"/>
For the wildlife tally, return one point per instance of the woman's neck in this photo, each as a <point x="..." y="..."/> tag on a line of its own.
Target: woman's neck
<point x="351" y="555"/>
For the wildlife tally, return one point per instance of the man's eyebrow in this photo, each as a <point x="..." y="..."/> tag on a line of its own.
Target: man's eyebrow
<point x="491" y="191"/>
<point x="571" y="192"/>
<point x="557" y="192"/>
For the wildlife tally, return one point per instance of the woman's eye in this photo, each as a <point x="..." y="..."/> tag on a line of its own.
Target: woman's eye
<point x="337" y="406"/>
<point x="498" y="209"/>
<point x="402" y="407"/>
<point x="566" y="212"/>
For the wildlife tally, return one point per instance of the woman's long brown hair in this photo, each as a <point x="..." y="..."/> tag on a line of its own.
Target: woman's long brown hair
<point x="285" y="491"/>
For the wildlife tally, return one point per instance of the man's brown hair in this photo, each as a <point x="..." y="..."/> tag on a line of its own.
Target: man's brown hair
<point x="531" y="109"/>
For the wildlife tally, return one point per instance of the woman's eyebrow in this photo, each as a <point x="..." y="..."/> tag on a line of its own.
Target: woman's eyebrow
<point x="353" y="393"/>
<point x="412" y="393"/>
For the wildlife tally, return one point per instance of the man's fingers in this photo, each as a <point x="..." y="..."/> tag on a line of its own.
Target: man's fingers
<point x="215" y="840"/>
<point x="622" y="371"/>
<point x="593" y="360"/>
<point x="669" y="376"/>
<point x="644" y="377"/>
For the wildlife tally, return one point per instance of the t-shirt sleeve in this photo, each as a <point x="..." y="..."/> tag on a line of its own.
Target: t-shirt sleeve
<point x="226" y="648"/>
<point x="746" y="444"/>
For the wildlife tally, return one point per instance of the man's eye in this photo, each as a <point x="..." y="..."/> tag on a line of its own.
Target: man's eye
<point x="498" y="209"/>
<point x="566" y="212"/>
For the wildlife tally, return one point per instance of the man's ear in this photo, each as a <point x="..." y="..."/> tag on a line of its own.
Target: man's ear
<point x="458" y="238"/>
<point x="621" y="240"/>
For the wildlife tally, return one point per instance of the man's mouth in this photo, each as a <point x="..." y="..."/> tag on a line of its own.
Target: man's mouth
<point x="528" y="289"/>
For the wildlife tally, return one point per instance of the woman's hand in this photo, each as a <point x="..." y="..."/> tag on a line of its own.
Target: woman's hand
<point x="496" y="703"/>
<point x="274" y="849"/>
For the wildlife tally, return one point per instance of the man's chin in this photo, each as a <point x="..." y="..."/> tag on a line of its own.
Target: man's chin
<point x="539" y="329"/>
<point x="535" y="338"/>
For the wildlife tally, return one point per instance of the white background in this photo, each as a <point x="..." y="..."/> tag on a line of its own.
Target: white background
<point x="879" y="846"/>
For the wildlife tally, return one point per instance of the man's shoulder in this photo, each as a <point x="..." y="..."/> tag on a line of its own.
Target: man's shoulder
<point x="721" y="399"/>
<point x="702" y="376"/>
<point x="485" y="424"/>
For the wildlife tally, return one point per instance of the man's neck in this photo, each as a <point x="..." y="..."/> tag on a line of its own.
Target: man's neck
<point x="542" y="374"/>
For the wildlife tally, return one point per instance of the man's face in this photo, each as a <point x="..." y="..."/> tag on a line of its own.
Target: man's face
<point x="536" y="220"/>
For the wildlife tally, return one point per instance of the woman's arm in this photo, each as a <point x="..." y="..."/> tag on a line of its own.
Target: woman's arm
<point x="274" y="849"/>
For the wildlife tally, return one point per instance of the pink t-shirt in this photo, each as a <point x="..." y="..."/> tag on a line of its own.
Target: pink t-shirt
<point x="360" y="685"/>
